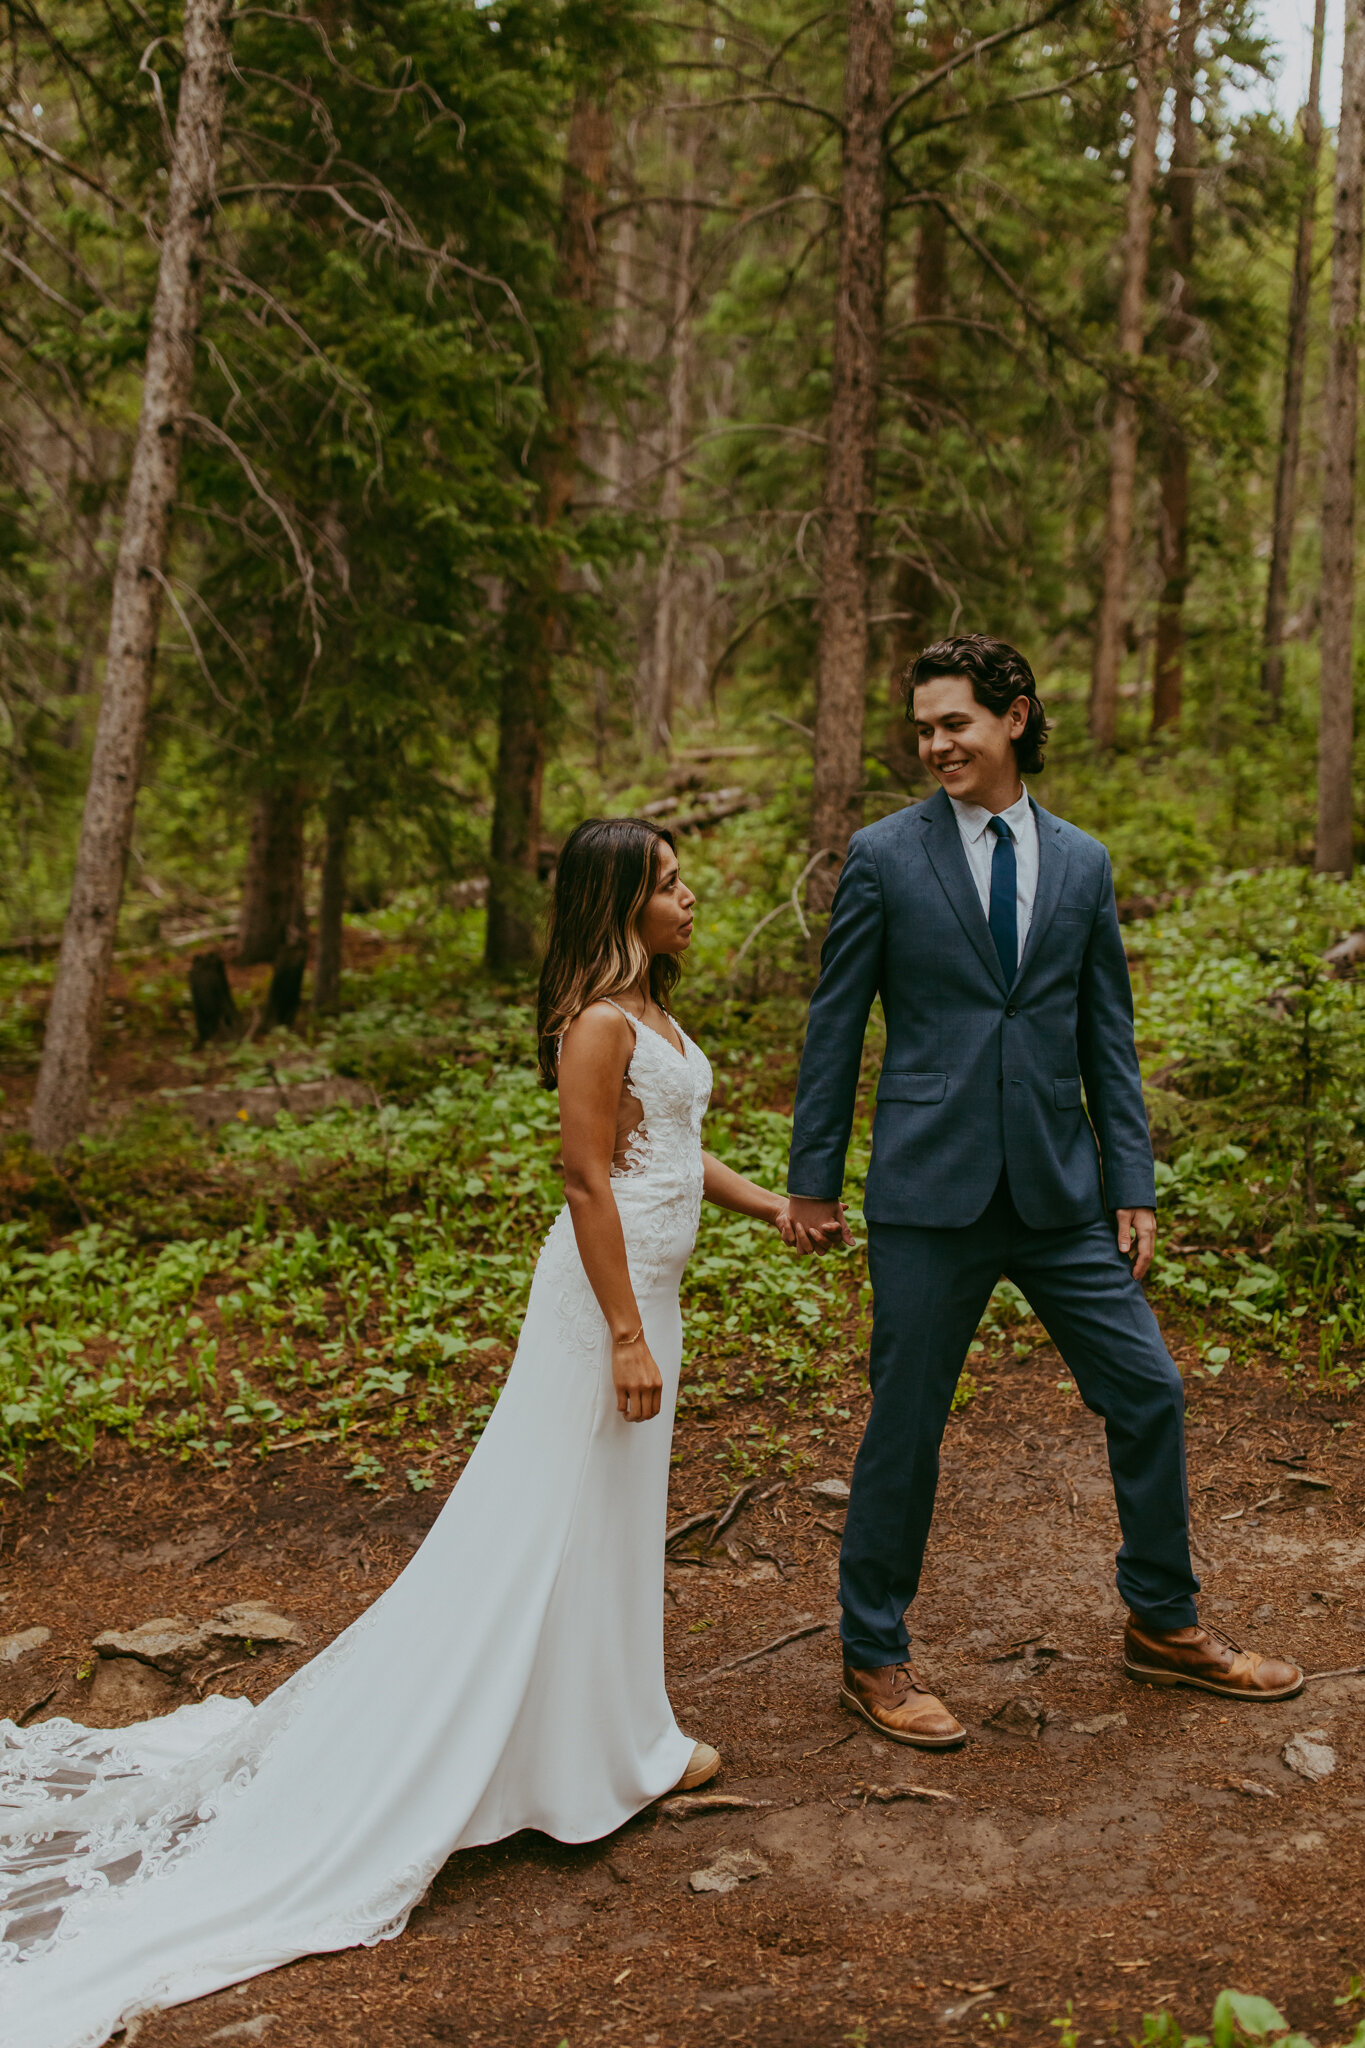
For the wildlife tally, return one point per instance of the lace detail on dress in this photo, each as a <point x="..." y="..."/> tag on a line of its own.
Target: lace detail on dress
<point x="81" y="1814"/>
<point x="581" y="1324"/>
<point x="658" y="1187"/>
<point x="636" y="1153"/>
<point x="89" y="1818"/>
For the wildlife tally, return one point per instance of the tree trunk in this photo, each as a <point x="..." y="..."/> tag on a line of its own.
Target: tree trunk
<point x="915" y="594"/>
<point x="1123" y="432"/>
<point x="273" y="909"/>
<point x="668" y="589"/>
<point x="529" y="638"/>
<point x="331" y="904"/>
<point x="73" y="1022"/>
<point x="1291" y="412"/>
<point x="617" y="464"/>
<point x="851" y="447"/>
<point x="1173" y="537"/>
<point x="534" y="611"/>
<point x="1336" y="721"/>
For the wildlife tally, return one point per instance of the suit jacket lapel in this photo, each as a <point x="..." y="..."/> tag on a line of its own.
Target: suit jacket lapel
<point x="943" y="844"/>
<point x="1054" y="857"/>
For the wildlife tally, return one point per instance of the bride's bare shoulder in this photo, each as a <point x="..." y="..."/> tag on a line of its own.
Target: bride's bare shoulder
<point x="599" y="1035"/>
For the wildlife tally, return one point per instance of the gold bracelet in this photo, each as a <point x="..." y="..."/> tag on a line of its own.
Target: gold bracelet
<point x="631" y="1339"/>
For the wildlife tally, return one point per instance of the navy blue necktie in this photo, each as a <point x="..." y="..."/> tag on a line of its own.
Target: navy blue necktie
<point x="1004" y="912"/>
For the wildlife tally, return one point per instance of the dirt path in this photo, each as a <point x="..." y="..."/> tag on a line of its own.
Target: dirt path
<point x="1113" y="1871"/>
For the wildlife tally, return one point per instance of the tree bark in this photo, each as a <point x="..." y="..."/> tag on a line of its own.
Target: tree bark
<point x="331" y="904"/>
<point x="667" y="590"/>
<point x="1291" y="411"/>
<point x="1123" y="431"/>
<point x="1173" y="548"/>
<point x="851" y="448"/>
<point x="1336" y="721"/>
<point x="73" y="1023"/>
<point x="915" y="595"/>
<point x="273" y="909"/>
<point x="534" y="610"/>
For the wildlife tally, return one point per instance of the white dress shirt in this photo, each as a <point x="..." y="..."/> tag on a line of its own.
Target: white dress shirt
<point x="978" y="843"/>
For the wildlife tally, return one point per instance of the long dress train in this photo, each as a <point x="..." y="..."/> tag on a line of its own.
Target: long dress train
<point x="512" y="1677"/>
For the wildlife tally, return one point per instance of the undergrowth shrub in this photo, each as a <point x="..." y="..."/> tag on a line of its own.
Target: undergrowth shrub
<point x="358" y="1280"/>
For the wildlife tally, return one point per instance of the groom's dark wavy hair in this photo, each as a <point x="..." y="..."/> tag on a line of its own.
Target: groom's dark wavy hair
<point x="998" y="673"/>
<point x="605" y="875"/>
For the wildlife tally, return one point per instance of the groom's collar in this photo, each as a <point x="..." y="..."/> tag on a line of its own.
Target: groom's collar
<point x="972" y="819"/>
<point x="939" y="810"/>
<point x="943" y="844"/>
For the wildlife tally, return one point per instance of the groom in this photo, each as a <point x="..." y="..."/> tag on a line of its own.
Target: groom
<point x="1010" y="1138"/>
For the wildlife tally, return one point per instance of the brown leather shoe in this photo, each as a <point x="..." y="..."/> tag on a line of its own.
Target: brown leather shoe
<point x="900" y="1706"/>
<point x="1202" y="1658"/>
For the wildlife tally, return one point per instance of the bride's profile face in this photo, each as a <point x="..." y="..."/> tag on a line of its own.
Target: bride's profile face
<point x="666" y="920"/>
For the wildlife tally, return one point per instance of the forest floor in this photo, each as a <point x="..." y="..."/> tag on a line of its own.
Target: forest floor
<point x="1138" y="1851"/>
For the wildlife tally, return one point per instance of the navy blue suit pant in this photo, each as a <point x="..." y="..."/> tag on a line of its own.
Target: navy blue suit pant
<point x="930" y="1290"/>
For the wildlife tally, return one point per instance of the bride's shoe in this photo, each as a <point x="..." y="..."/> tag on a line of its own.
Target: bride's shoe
<point x="703" y="1767"/>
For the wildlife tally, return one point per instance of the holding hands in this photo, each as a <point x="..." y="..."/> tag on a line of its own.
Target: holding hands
<point x="811" y="1226"/>
<point x="806" y="1226"/>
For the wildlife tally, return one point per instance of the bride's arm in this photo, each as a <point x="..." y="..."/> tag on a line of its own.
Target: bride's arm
<point x="592" y="1066"/>
<point x="729" y="1190"/>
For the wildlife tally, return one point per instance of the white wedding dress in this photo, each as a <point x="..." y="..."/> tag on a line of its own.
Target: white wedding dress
<point x="512" y="1677"/>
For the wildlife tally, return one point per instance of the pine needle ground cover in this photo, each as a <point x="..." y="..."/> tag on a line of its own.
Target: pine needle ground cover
<point x="248" y="1362"/>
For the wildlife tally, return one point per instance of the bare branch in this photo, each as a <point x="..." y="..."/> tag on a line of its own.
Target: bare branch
<point x="393" y="93"/>
<point x="49" y="417"/>
<point x="758" y="99"/>
<point x="221" y="630"/>
<point x="814" y="21"/>
<point x="62" y="163"/>
<point x="303" y="560"/>
<point x="736" y="640"/>
<point x="193" y="639"/>
<point x="146" y="69"/>
<point x="158" y="715"/>
<point x="48" y="291"/>
<point x="675" y="202"/>
<point x="1018" y="99"/>
<point x="67" y="256"/>
<point x="395" y="230"/>
<point x="1027" y="305"/>
<point x="287" y="319"/>
<point x="977" y="49"/>
<point x="719" y="433"/>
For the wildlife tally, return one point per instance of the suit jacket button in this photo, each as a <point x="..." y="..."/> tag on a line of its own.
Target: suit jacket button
<point x="1011" y="1009"/>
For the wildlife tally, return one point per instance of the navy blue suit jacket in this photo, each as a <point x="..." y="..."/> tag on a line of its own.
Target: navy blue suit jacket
<point x="980" y="1073"/>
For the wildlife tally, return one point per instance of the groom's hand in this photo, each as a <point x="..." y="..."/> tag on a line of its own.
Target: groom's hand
<point x="815" y="1226"/>
<point x="1137" y="1235"/>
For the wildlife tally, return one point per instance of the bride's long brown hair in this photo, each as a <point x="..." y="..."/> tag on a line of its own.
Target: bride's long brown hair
<point x="607" y="872"/>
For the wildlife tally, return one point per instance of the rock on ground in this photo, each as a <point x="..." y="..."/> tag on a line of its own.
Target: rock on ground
<point x="12" y="1648"/>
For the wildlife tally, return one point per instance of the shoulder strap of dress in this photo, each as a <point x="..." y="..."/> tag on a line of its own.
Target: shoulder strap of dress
<point x="633" y="1022"/>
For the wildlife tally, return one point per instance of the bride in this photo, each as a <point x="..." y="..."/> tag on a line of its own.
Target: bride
<point x="512" y="1676"/>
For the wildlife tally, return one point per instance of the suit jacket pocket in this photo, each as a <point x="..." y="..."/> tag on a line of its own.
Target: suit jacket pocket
<point x="912" y="1087"/>
<point x="1066" y="1091"/>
